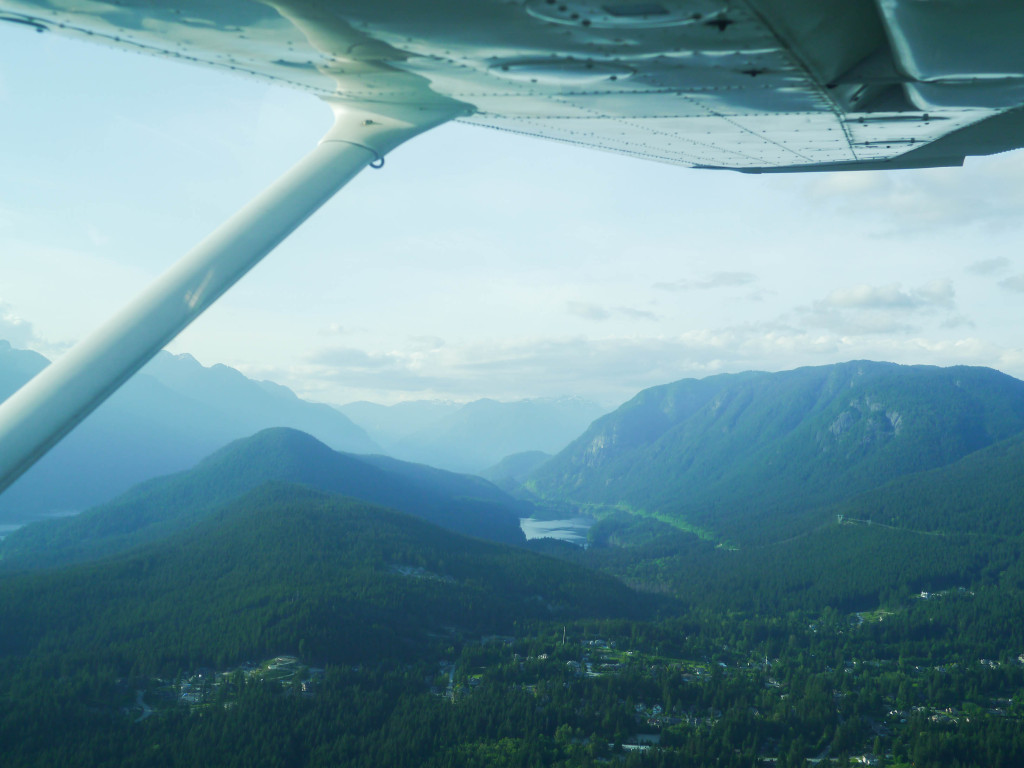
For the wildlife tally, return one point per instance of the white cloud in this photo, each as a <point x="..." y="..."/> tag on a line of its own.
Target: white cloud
<point x="612" y="369"/>
<point x="587" y="311"/>
<point x="597" y="312"/>
<point x="717" y="280"/>
<point x="938" y="293"/>
<point x="1015" y="283"/>
<point x="869" y="297"/>
<point x="871" y="309"/>
<point x="987" y="191"/>
<point x="989" y="266"/>
<point x="638" y="314"/>
<point x="18" y="331"/>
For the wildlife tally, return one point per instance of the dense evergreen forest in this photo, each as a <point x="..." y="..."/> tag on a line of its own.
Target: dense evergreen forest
<point x="757" y="458"/>
<point x="296" y="627"/>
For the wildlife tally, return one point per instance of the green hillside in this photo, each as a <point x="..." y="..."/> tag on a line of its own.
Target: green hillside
<point x="165" y="505"/>
<point x="745" y="457"/>
<point x="291" y="569"/>
<point x="982" y="495"/>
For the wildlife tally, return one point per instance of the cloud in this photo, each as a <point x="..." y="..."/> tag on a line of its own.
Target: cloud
<point x="427" y="342"/>
<point x="717" y="280"/>
<point x="612" y="369"/>
<point x="938" y="293"/>
<point x="356" y="359"/>
<point x="638" y="314"/>
<point x="871" y="309"/>
<point x="760" y="294"/>
<point x="1015" y="283"/>
<point x="957" y="321"/>
<point x="605" y="369"/>
<point x="989" y="266"/>
<point x="597" y="312"/>
<point x="587" y="311"/>
<point x="18" y="331"/>
<point x="987" y="191"/>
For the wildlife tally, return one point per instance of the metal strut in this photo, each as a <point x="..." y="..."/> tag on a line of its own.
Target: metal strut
<point x="38" y="415"/>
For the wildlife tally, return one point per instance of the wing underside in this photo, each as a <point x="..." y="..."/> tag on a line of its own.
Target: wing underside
<point x="754" y="85"/>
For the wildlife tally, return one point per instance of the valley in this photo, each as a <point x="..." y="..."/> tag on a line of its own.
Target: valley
<point x="771" y="576"/>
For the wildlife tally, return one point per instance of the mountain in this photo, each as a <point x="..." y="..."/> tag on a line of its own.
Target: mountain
<point x="942" y="529"/>
<point x="166" y="505"/>
<point x="510" y="473"/>
<point x="165" y="419"/>
<point x="250" y="405"/>
<point x="745" y="457"/>
<point x="979" y="495"/>
<point x="390" y="424"/>
<point x="517" y="466"/>
<point x="292" y="569"/>
<point x="476" y="435"/>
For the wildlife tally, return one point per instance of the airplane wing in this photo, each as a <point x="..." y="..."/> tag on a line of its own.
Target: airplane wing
<point x="748" y="85"/>
<point x="751" y="85"/>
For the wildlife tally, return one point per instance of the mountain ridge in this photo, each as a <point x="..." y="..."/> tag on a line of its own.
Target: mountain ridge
<point x="722" y="451"/>
<point x="164" y="419"/>
<point x="165" y="505"/>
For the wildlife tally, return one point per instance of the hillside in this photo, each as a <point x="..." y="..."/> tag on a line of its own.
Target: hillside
<point x="744" y="457"/>
<point x="164" y="419"/>
<point x="291" y="569"/>
<point x="979" y="495"/>
<point x="510" y="473"/>
<point x="163" y="506"/>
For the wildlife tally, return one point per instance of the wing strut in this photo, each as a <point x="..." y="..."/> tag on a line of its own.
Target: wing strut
<point x="38" y="415"/>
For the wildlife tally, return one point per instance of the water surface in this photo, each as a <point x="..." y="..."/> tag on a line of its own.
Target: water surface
<point x="573" y="530"/>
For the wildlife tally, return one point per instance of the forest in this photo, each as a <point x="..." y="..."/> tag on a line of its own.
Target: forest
<point x="416" y="646"/>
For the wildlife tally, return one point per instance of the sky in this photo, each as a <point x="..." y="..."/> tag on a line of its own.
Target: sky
<point x="478" y="263"/>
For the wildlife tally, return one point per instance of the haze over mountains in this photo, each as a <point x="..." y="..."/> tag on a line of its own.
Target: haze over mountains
<point x="176" y="411"/>
<point x="474" y="436"/>
<point x="165" y="419"/>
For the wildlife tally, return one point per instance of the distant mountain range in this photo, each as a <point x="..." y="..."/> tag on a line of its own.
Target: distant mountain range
<point x="167" y="505"/>
<point x="474" y="436"/>
<point x="165" y="419"/>
<point x="758" y="457"/>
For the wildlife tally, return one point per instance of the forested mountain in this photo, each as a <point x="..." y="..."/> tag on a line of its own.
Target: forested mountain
<point x="162" y="506"/>
<point x="744" y="457"/>
<point x="164" y="419"/>
<point x="288" y="568"/>
<point x="513" y="470"/>
<point x="474" y="436"/>
<point x="982" y="494"/>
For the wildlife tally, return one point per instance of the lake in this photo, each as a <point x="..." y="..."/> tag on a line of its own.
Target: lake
<point x="573" y="530"/>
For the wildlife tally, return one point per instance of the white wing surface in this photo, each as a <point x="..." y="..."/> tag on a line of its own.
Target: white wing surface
<point x="753" y="85"/>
